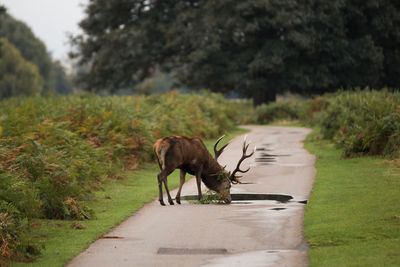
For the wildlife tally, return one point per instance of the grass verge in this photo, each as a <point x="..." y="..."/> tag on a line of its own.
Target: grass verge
<point x="353" y="216"/>
<point x="117" y="200"/>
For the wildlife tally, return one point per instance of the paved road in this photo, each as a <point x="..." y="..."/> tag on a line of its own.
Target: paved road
<point x="246" y="233"/>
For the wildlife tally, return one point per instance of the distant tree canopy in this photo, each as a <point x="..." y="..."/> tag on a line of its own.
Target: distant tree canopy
<point x="256" y="47"/>
<point x="17" y="75"/>
<point x="33" y="50"/>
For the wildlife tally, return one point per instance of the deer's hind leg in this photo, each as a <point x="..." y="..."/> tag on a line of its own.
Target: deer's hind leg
<point x="160" y="193"/>
<point x="182" y="181"/>
<point x="162" y="178"/>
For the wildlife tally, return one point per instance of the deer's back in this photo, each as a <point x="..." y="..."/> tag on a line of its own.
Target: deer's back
<point x="181" y="152"/>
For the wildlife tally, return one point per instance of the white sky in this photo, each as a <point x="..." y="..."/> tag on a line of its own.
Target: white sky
<point x="50" y="20"/>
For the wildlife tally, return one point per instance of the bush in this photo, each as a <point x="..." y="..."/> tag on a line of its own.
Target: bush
<point x="289" y="108"/>
<point x="360" y="121"/>
<point x="363" y="122"/>
<point x="18" y="202"/>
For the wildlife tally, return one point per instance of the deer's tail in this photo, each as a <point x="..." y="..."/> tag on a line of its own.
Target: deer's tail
<point x="160" y="149"/>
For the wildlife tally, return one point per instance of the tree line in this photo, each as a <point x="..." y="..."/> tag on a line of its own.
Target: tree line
<point x="26" y="68"/>
<point x="256" y="48"/>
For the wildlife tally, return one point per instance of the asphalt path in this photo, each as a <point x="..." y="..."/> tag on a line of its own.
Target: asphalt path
<point x="262" y="227"/>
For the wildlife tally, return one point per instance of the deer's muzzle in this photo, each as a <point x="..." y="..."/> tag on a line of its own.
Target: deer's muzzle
<point x="226" y="197"/>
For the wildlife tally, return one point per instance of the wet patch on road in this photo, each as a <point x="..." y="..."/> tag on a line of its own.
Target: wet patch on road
<point x="277" y="197"/>
<point x="250" y="197"/>
<point x="191" y="251"/>
<point x="264" y="157"/>
<point x="280" y="201"/>
<point x="278" y="209"/>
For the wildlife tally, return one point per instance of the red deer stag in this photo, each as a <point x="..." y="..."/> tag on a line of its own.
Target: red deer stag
<point x="190" y="155"/>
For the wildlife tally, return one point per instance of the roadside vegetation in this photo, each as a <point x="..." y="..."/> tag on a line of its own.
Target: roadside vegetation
<point x="353" y="215"/>
<point x="55" y="152"/>
<point x="359" y="122"/>
<point x="352" y="218"/>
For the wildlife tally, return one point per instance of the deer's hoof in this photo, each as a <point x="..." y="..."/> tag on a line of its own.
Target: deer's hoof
<point x="178" y="201"/>
<point x="171" y="202"/>
<point x="162" y="203"/>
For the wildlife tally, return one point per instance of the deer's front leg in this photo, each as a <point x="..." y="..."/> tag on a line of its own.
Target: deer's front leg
<point x="198" y="180"/>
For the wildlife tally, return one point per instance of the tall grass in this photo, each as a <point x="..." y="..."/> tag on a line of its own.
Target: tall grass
<point x="55" y="151"/>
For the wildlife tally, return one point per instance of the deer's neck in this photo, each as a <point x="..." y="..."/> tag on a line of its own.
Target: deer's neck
<point x="211" y="174"/>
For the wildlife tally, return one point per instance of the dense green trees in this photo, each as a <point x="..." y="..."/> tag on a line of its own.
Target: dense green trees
<point x="33" y="50"/>
<point x="17" y="75"/>
<point x="256" y="47"/>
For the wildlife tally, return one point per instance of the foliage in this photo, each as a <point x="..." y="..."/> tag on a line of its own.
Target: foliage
<point x="211" y="197"/>
<point x="352" y="217"/>
<point x="33" y="50"/>
<point x="255" y="47"/>
<point x="17" y="76"/>
<point x="360" y="121"/>
<point x="57" y="150"/>
<point x="158" y="83"/>
<point x="18" y="202"/>
<point x="363" y="122"/>
<point x="283" y="109"/>
<point x="62" y="82"/>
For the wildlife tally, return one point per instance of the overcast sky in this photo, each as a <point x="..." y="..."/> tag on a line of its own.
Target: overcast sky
<point x="50" y="20"/>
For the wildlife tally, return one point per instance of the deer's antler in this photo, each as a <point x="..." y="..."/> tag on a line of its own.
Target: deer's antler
<point x="218" y="152"/>
<point x="235" y="179"/>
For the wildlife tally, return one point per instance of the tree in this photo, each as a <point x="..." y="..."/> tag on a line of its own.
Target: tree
<point x="376" y="25"/>
<point x="17" y="76"/>
<point x="255" y="47"/>
<point x="62" y="83"/>
<point x="31" y="48"/>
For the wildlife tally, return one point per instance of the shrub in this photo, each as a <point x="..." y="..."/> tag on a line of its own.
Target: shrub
<point x="360" y="121"/>
<point x="284" y="109"/>
<point x="363" y="122"/>
<point x="18" y="202"/>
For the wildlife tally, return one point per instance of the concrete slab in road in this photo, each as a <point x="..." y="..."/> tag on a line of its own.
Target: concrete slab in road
<point x="246" y="233"/>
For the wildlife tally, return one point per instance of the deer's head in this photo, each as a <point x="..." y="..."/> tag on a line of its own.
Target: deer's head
<point x="227" y="178"/>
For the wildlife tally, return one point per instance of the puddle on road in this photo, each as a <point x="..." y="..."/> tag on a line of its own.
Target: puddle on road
<point x="265" y="158"/>
<point x="276" y="197"/>
<point x="263" y="149"/>
<point x="250" y="197"/>
<point x="191" y="251"/>
<point x="278" y="209"/>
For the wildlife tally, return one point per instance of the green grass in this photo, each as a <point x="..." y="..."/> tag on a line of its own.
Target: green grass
<point x="117" y="200"/>
<point x="353" y="216"/>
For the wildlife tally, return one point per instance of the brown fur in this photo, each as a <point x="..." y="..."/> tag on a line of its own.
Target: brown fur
<point x="190" y="155"/>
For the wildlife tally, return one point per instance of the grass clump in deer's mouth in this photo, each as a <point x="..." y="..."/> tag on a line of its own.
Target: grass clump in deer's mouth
<point x="211" y="197"/>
